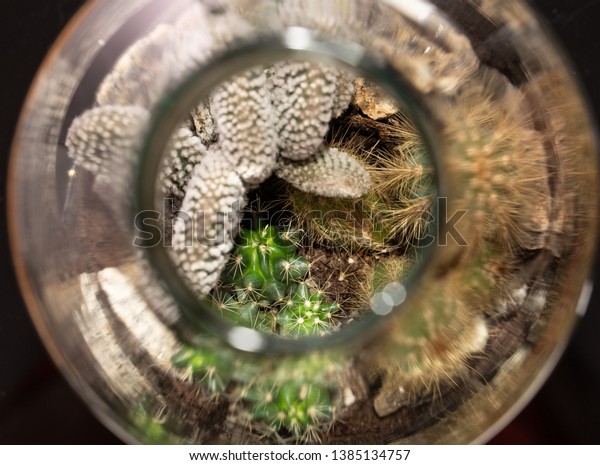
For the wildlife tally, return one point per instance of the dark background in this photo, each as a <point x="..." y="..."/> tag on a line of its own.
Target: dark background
<point x="38" y="407"/>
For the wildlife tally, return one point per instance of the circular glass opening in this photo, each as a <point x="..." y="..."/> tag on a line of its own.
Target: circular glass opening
<point x="294" y="199"/>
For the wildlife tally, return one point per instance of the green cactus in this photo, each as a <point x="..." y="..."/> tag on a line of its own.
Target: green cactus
<point x="291" y="406"/>
<point x="297" y="399"/>
<point x="305" y="313"/>
<point x="263" y="266"/>
<point x="292" y="400"/>
<point x="214" y="370"/>
<point x="264" y="287"/>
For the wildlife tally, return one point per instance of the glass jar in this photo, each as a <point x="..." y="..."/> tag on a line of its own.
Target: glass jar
<point x="302" y="222"/>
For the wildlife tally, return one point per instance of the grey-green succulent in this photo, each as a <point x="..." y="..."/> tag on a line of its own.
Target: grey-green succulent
<point x="264" y="121"/>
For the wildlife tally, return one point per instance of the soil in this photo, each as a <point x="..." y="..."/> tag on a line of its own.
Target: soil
<point x="337" y="272"/>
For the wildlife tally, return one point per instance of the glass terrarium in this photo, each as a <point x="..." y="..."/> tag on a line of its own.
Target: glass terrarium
<point x="304" y="222"/>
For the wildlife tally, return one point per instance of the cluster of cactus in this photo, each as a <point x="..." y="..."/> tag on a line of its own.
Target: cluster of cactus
<point x="214" y="370"/>
<point x="261" y="122"/>
<point x="292" y="400"/>
<point x="264" y="286"/>
<point x="443" y="331"/>
<point x="396" y="210"/>
<point x="292" y="406"/>
<point x="494" y="139"/>
<point x="370" y="197"/>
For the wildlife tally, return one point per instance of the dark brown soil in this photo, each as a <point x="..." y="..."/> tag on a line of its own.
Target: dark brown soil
<point x="203" y="414"/>
<point x="339" y="274"/>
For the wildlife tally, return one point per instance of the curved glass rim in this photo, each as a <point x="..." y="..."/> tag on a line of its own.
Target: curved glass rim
<point x="293" y="43"/>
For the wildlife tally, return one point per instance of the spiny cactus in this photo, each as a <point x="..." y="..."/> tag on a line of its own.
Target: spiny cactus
<point x="264" y="264"/>
<point x="306" y="313"/>
<point x="213" y="369"/>
<point x="263" y="286"/>
<point x="248" y="123"/>
<point x="439" y="335"/>
<point x="297" y="400"/>
<point x="151" y="427"/>
<point x="292" y="400"/>
<point x="291" y="406"/>
<point x="320" y="174"/>
<point x="492" y="143"/>
<point x="393" y="212"/>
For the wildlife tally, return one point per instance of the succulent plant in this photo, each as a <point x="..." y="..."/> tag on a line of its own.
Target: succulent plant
<point x="320" y="174"/>
<point x="213" y="369"/>
<point x="264" y="286"/>
<point x="264" y="265"/>
<point x="247" y="143"/>
<point x="185" y="153"/>
<point x="357" y="186"/>
<point x="290" y="401"/>
<point x="504" y="209"/>
<point x="291" y="406"/>
<point x="305" y="98"/>
<point x="306" y="313"/>
<point x="98" y="137"/>
<point x="396" y="209"/>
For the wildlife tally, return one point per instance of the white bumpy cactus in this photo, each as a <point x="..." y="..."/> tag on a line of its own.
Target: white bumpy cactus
<point x="203" y="240"/>
<point x="264" y="121"/>
<point x="324" y="174"/>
